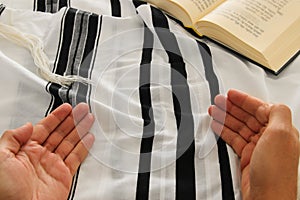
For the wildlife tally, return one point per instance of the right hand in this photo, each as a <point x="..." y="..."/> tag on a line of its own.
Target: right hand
<point x="266" y="141"/>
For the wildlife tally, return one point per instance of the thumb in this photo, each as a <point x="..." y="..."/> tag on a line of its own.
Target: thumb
<point x="280" y="114"/>
<point x="281" y="137"/>
<point x="279" y="151"/>
<point x="280" y="126"/>
<point x="14" y="139"/>
<point x="281" y="123"/>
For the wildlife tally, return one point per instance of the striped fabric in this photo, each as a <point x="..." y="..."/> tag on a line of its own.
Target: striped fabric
<point x="51" y="6"/>
<point x="151" y="87"/>
<point x="184" y="134"/>
<point x="75" y="55"/>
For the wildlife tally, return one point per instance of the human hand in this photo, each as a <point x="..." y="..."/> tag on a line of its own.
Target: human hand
<point x="266" y="141"/>
<point x="38" y="162"/>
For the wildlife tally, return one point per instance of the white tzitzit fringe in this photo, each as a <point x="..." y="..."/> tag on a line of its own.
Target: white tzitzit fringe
<point x="36" y="47"/>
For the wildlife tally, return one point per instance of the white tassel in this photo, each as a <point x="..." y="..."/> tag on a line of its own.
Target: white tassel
<point x="36" y="47"/>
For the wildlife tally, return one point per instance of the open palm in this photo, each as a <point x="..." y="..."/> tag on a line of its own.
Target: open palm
<point x="263" y="136"/>
<point x="38" y="162"/>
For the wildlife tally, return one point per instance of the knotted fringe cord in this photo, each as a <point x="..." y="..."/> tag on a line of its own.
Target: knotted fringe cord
<point x="36" y="47"/>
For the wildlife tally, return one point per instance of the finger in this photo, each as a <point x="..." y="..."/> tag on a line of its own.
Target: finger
<point x="79" y="112"/>
<point x="252" y="105"/>
<point x="231" y="138"/>
<point x="245" y="117"/>
<point x="13" y="140"/>
<point x="59" y="134"/>
<point x="79" y="153"/>
<point x="66" y="126"/>
<point x="70" y="141"/>
<point x="231" y="122"/>
<point x="45" y="127"/>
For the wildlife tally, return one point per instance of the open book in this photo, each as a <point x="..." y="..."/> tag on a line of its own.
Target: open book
<point x="265" y="31"/>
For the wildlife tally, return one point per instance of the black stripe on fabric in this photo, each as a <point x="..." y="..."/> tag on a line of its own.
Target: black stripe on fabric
<point x="143" y="181"/>
<point x="185" y="153"/>
<point x="138" y="3"/>
<point x="115" y="8"/>
<point x="225" y="170"/>
<point x="2" y="8"/>
<point x="40" y="5"/>
<point x="52" y="6"/>
<point x="66" y="40"/>
<point x="63" y="3"/>
<point x="56" y="101"/>
<point x="88" y="55"/>
<point x="92" y="36"/>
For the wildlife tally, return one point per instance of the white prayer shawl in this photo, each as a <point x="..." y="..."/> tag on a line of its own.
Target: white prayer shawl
<point x="151" y="85"/>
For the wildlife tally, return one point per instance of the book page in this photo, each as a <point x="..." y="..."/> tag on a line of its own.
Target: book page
<point x="259" y="22"/>
<point x="197" y="8"/>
